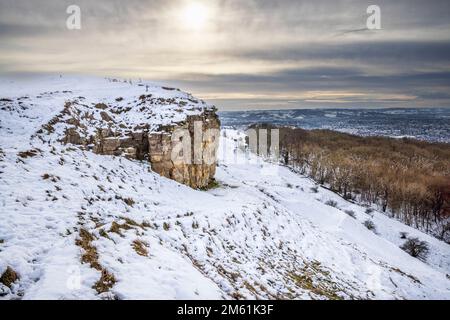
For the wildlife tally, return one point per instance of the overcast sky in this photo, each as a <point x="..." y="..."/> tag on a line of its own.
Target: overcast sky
<point x="244" y="54"/>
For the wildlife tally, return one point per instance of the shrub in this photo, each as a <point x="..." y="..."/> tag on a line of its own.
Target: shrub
<point x="403" y="235"/>
<point x="331" y="203"/>
<point x="350" y="213"/>
<point x="416" y="248"/>
<point x="212" y="184"/>
<point x="370" y="225"/>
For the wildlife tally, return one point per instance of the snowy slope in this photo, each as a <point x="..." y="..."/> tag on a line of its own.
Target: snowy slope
<point x="262" y="233"/>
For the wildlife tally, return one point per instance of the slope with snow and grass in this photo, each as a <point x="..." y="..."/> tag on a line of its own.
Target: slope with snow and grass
<point x="78" y="225"/>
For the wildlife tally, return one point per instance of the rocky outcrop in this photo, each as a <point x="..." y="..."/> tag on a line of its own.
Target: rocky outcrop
<point x="183" y="149"/>
<point x="158" y="148"/>
<point x="198" y="168"/>
<point x="134" y="145"/>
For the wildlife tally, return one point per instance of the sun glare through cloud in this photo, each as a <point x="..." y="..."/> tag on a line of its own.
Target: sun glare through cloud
<point x="195" y="16"/>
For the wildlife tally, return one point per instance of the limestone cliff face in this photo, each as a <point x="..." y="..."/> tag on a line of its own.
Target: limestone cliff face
<point x="158" y="148"/>
<point x="200" y="170"/>
<point x="183" y="148"/>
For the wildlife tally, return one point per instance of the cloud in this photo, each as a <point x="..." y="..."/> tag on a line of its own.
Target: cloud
<point x="257" y="50"/>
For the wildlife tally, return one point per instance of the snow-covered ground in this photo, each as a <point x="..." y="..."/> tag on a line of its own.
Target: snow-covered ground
<point x="264" y="232"/>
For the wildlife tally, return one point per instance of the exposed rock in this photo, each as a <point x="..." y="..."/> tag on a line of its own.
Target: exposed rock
<point x="158" y="148"/>
<point x="105" y="116"/>
<point x="156" y="134"/>
<point x="202" y="168"/>
<point x="72" y="136"/>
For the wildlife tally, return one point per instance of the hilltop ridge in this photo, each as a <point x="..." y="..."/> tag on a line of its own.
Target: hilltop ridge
<point x="76" y="224"/>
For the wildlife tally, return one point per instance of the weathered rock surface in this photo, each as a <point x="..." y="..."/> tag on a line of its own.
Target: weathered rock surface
<point x="158" y="148"/>
<point x="202" y="167"/>
<point x="148" y="128"/>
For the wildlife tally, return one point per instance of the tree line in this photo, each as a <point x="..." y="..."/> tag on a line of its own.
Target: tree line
<point x="406" y="178"/>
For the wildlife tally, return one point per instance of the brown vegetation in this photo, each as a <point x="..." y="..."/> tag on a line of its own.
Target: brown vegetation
<point x="140" y="247"/>
<point x="90" y="256"/>
<point x="406" y="178"/>
<point x="9" y="277"/>
<point x="29" y="153"/>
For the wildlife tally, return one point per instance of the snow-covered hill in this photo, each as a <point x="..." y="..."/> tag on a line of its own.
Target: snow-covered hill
<point x="77" y="225"/>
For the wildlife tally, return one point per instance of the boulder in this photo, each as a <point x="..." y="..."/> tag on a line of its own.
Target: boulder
<point x="158" y="145"/>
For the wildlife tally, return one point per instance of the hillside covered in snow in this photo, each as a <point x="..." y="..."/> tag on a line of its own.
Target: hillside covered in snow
<point x="75" y="224"/>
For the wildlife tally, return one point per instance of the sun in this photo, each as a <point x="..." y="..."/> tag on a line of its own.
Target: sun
<point x="195" y="16"/>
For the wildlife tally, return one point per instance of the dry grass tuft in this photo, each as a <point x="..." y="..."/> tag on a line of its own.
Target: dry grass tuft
<point x="29" y="153"/>
<point x="129" y="201"/>
<point x="316" y="280"/>
<point x="140" y="247"/>
<point x="90" y="256"/>
<point x="115" y="227"/>
<point x="9" y="277"/>
<point x="106" y="282"/>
